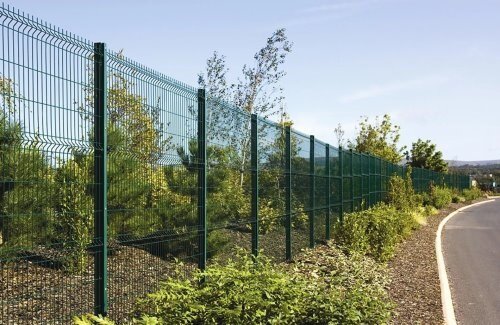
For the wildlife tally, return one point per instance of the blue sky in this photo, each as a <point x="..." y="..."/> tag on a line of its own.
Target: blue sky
<point x="434" y="66"/>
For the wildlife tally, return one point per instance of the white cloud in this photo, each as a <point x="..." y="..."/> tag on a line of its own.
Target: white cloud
<point x="330" y="11"/>
<point x="340" y="6"/>
<point x="393" y="87"/>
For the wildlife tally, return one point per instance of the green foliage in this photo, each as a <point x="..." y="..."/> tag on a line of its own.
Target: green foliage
<point x="90" y="319"/>
<point x="132" y="127"/>
<point x="425" y="155"/>
<point x="401" y="194"/>
<point x="26" y="199"/>
<point x="430" y="210"/>
<point x="472" y="194"/>
<point x="240" y="292"/>
<point x="347" y="290"/>
<point x="457" y="198"/>
<point x="359" y="282"/>
<point x="58" y="202"/>
<point x="75" y="211"/>
<point x="228" y="203"/>
<point x="136" y="183"/>
<point x="257" y="91"/>
<point x="375" y="231"/>
<point x="27" y="181"/>
<point x="272" y="183"/>
<point x="440" y="197"/>
<point x="379" y="139"/>
<point x="323" y="286"/>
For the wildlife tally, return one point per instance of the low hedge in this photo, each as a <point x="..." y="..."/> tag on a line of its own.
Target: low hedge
<point x="330" y="288"/>
<point x="375" y="231"/>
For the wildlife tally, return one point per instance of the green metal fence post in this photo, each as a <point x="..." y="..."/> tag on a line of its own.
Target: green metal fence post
<point x="362" y="180"/>
<point x="202" y="181"/>
<point x="255" y="185"/>
<point x="380" y="180"/>
<point x="100" y="181"/>
<point x="369" y="160"/>
<point x="341" y="169"/>
<point x="312" y="188"/>
<point x="327" y="192"/>
<point x="288" y="194"/>
<point x="352" y="180"/>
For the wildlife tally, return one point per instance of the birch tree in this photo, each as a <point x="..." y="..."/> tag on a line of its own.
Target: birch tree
<point x="256" y="91"/>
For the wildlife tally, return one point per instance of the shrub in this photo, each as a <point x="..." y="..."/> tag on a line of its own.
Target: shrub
<point x="440" y="197"/>
<point x="90" y="319"/>
<point x="457" y="198"/>
<point x="401" y="194"/>
<point x="360" y="280"/>
<point x="74" y="212"/>
<point x="375" y="231"/>
<point x="472" y="194"/>
<point x="426" y="199"/>
<point x="419" y="199"/>
<point x="249" y="290"/>
<point x="397" y="196"/>
<point x="26" y="183"/>
<point x="430" y="210"/>
<point x="240" y="292"/>
<point x="420" y="215"/>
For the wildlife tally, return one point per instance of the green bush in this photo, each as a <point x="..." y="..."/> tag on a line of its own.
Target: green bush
<point x="440" y="197"/>
<point x="457" y="198"/>
<point x="240" y="292"/>
<point x="426" y="199"/>
<point x="360" y="280"/>
<point x="375" y="231"/>
<point x="430" y="210"/>
<point x="90" y="319"/>
<point x="340" y="289"/>
<point x="401" y="194"/>
<point x="472" y="194"/>
<point x="75" y="212"/>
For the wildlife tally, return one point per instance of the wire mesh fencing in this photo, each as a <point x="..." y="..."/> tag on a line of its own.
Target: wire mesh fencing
<point x="111" y="173"/>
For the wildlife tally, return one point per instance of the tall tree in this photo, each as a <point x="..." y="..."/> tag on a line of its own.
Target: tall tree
<point x="380" y="139"/>
<point x="425" y="155"/>
<point x="256" y="91"/>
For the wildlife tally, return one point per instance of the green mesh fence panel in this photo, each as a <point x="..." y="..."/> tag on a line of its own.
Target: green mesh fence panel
<point x="46" y="161"/>
<point x="152" y="180"/>
<point x="321" y="191"/>
<point x="271" y="163"/>
<point x="335" y="177"/>
<point x="228" y="179"/>
<point x="347" y="181"/>
<point x="301" y="182"/>
<point x="365" y="180"/>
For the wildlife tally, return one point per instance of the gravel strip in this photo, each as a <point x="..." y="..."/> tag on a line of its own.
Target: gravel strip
<point x="414" y="277"/>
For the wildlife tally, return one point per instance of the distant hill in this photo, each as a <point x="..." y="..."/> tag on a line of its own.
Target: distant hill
<point x="457" y="163"/>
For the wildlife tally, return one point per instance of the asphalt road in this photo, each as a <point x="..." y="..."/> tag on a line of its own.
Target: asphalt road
<point x="471" y="248"/>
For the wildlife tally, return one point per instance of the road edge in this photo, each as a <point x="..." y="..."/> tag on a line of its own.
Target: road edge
<point x="446" y="301"/>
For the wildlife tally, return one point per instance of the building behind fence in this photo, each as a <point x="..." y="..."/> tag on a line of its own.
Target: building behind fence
<point x="110" y="171"/>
